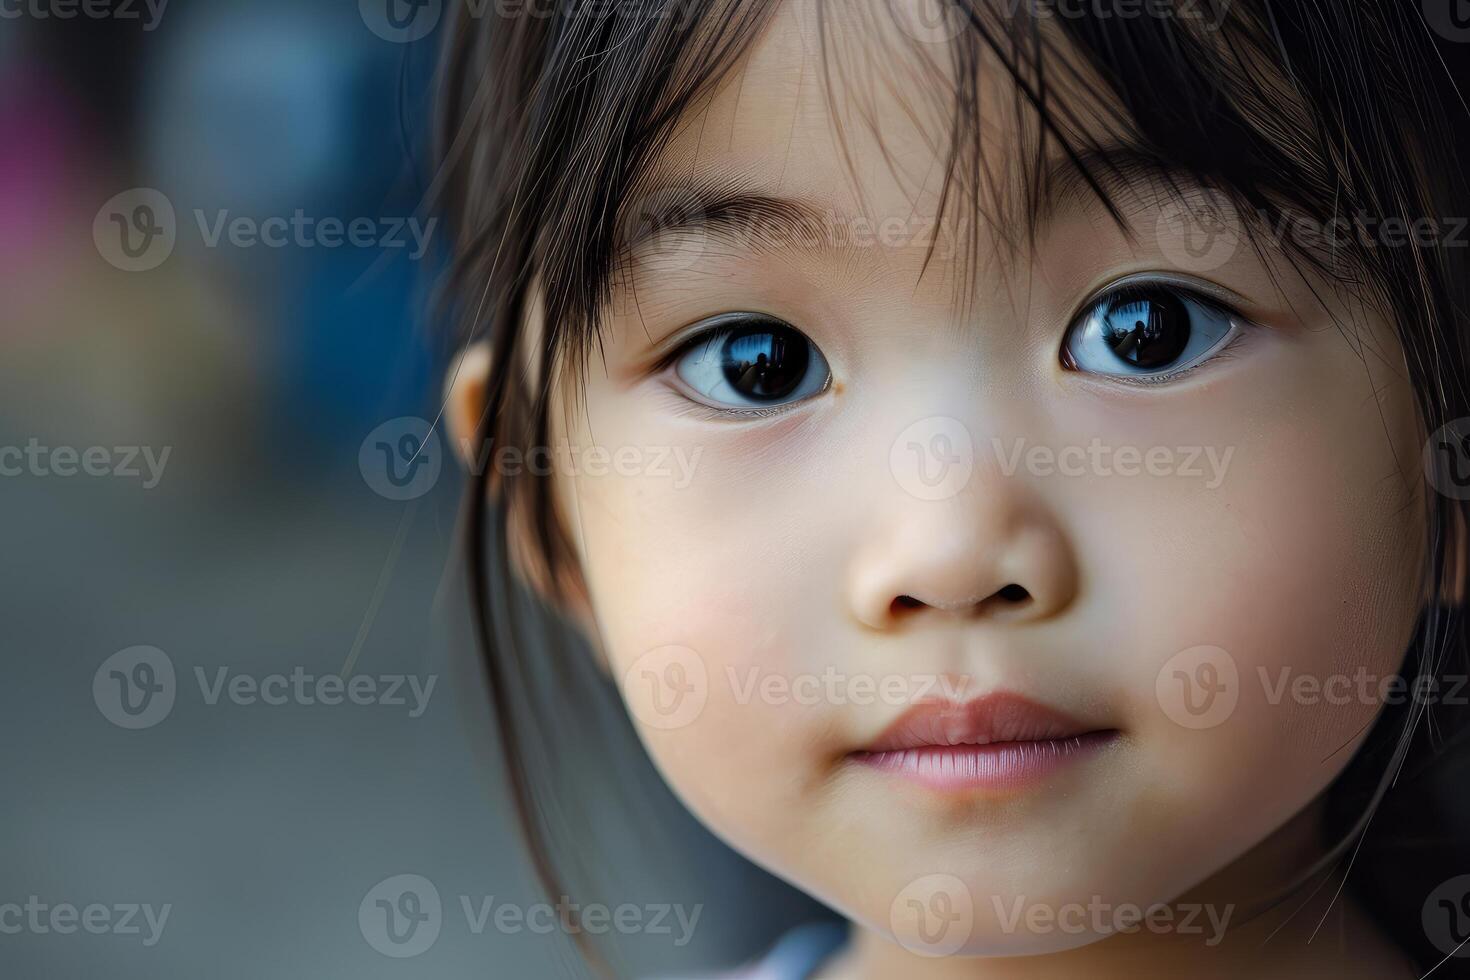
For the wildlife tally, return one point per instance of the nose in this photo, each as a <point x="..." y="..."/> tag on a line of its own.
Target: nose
<point x="994" y="553"/>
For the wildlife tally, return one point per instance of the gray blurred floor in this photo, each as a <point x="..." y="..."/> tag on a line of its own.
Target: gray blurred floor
<point x="264" y="828"/>
<point x="261" y="826"/>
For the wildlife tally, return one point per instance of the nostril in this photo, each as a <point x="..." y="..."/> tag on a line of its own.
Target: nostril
<point x="1013" y="593"/>
<point x="904" y="603"/>
<point x="1008" y="599"/>
<point x="1004" y="603"/>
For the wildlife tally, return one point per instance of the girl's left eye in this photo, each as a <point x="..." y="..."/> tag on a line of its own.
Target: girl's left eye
<point x="1151" y="331"/>
<point x="744" y="362"/>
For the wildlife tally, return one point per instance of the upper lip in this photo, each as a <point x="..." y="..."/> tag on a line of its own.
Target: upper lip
<point x="999" y="717"/>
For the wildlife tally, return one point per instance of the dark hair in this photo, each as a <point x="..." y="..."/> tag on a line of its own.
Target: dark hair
<point x="551" y="119"/>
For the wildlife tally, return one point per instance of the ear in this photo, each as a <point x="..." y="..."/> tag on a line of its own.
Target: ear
<point x="465" y="403"/>
<point x="464" y="397"/>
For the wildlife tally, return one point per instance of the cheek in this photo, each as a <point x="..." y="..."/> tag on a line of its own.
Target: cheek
<point x="1292" y="560"/>
<point x="715" y="601"/>
<point x="1254" y="620"/>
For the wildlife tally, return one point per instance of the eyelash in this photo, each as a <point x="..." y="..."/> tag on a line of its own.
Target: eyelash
<point x="685" y="407"/>
<point x="1186" y="289"/>
<point x="1228" y="351"/>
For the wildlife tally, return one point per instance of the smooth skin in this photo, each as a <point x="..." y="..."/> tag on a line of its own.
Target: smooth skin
<point x="783" y="559"/>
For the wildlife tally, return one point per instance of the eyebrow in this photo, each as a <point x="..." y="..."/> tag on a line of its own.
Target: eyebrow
<point x="1101" y="171"/>
<point x="732" y="209"/>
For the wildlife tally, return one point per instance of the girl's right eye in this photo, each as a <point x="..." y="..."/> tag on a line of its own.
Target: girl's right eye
<point x="747" y="361"/>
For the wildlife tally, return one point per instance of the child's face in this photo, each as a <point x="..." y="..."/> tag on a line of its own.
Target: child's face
<point x="862" y="546"/>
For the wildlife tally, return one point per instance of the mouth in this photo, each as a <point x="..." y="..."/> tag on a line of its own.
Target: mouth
<point x="997" y="742"/>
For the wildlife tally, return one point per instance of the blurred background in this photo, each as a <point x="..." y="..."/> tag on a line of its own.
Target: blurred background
<point x="223" y="500"/>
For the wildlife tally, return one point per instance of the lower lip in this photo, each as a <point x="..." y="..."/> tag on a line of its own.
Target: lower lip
<point x="995" y="766"/>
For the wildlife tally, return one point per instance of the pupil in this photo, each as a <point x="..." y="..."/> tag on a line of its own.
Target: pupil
<point x="766" y="363"/>
<point x="1146" y="328"/>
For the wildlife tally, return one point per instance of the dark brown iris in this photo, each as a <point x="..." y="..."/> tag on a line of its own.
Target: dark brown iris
<point x="765" y="363"/>
<point x="1146" y="327"/>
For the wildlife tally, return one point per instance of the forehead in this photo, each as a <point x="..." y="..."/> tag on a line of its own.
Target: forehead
<point x="853" y="106"/>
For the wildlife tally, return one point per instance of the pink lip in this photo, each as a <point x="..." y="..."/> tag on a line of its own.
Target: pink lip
<point x="1000" y="741"/>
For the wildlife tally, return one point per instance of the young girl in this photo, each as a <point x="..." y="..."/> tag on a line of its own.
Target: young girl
<point x="1009" y="458"/>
